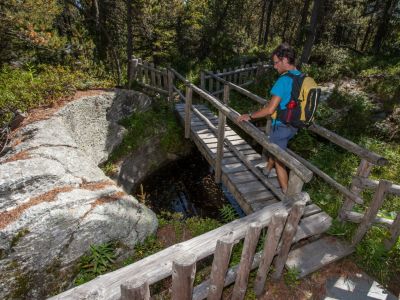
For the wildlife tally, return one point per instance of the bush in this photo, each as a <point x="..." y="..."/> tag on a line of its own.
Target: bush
<point x="34" y="86"/>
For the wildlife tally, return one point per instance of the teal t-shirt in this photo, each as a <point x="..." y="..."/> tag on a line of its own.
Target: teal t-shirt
<point x="283" y="88"/>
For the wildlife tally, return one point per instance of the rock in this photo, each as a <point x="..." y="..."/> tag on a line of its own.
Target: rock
<point x="55" y="201"/>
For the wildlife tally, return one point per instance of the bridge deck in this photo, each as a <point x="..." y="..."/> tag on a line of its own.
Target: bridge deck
<point x="248" y="190"/>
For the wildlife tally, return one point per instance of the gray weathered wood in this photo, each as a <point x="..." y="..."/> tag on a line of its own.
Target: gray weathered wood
<point x="211" y="84"/>
<point x="366" y="183"/>
<point x="133" y="72"/>
<point x="183" y="273"/>
<point x="153" y="75"/>
<point x="371" y="212"/>
<point x="356" y="217"/>
<point x="394" y="233"/>
<point x="217" y="83"/>
<point x="363" y="170"/>
<point x="202" y="80"/>
<point x="138" y="290"/>
<point x="289" y="233"/>
<point x="170" y="85"/>
<point x="346" y="192"/>
<point x="315" y="255"/>
<point x="219" y="267"/>
<point x="295" y="184"/>
<point x="165" y="81"/>
<point x="349" y="145"/>
<point x="271" y="243"/>
<point x="188" y="111"/>
<point x="221" y="137"/>
<point x="304" y="173"/>
<point x="249" y="248"/>
<point x="181" y="96"/>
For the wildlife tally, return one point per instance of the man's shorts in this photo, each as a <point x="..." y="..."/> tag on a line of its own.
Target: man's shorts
<point x="281" y="134"/>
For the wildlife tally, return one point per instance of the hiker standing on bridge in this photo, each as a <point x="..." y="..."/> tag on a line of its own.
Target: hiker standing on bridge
<point x="283" y="58"/>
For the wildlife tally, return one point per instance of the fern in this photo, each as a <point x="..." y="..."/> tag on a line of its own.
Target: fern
<point x="228" y="213"/>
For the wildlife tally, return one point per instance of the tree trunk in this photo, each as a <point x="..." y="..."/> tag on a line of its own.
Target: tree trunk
<point x="285" y="26"/>
<point x="262" y="22"/>
<point x="305" y="56"/>
<point x="129" y="46"/>
<point x="268" y="21"/>
<point x="384" y="25"/>
<point x="304" y="14"/>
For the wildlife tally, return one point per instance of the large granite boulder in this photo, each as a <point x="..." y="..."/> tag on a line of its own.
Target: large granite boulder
<point x="54" y="199"/>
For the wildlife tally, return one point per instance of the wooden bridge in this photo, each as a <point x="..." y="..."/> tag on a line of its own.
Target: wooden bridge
<point x="288" y="218"/>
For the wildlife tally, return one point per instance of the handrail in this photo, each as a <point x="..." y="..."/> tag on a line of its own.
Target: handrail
<point x="238" y="70"/>
<point x="298" y="168"/>
<point x="369" y="156"/>
<point x="238" y="88"/>
<point x="159" y="265"/>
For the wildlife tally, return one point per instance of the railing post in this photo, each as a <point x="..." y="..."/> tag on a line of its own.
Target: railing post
<point x="371" y="212"/>
<point x="249" y="248"/>
<point x="188" y="110"/>
<point x="183" y="273"/>
<point x="289" y="232"/>
<point x="202" y="80"/>
<point x="132" y="71"/>
<point x="274" y="233"/>
<point x="220" y="138"/>
<point x="295" y="184"/>
<point x="394" y="233"/>
<point x="165" y="80"/>
<point x="153" y="75"/>
<point x="363" y="171"/>
<point x="135" y="290"/>
<point x="219" y="267"/>
<point x="170" y="85"/>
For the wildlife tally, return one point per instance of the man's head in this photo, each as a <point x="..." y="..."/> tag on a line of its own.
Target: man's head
<point x="284" y="58"/>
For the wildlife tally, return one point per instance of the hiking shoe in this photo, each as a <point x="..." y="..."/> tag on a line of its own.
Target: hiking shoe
<point x="263" y="170"/>
<point x="272" y="173"/>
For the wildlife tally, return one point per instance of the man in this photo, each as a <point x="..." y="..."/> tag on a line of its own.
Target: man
<point x="283" y="58"/>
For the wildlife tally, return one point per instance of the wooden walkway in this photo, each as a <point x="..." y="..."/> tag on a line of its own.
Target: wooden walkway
<point x="248" y="190"/>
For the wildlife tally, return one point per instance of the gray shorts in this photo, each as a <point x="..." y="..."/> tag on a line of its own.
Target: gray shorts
<point x="281" y="134"/>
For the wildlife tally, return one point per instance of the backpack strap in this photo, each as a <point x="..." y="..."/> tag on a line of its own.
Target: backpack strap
<point x="296" y="85"/>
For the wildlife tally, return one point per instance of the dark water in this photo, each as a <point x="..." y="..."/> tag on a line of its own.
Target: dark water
<point x="187" y="186"/>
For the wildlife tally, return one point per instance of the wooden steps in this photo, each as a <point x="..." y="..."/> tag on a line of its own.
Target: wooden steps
<point x="318" y="254"/>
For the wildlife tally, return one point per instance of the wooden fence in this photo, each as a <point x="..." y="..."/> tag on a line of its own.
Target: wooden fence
<point x="179" y="261"/>
<point x="360" y="179"/>
<point x="241" y="76"/>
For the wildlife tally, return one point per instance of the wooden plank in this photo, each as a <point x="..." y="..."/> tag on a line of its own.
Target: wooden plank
<point x="137" y="289"/>
<point x="245" y="176"/>
<point x="232" y="168"/>
<point x="371" y="212"/>
<point x="249" y="248"/>
<point x="295" y="184"/>
<point x="318" y="254"/>
<point x="219" y="267"/>
<point x="250" y="187"/>
<point x="220" y="147"/>
<point x="356" y="217"/>
<point x="260" y="205"/>
<point x="259" y="195"/>
<point x="183" y="273"/>
<point x="312" y="225"/>
<point x="153" y="75"/>
<point x="311" y="209"/>
<point x="270" y="245"/>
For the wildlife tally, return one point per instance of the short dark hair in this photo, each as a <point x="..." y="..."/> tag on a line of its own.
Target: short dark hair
<point x="285" y="50"/>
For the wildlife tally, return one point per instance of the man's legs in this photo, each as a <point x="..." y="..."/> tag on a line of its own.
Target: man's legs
<point x="282" y="175"/>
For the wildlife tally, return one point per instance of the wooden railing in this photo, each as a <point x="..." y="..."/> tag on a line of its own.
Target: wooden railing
<point x="241" y="76"/>
<point x="179" y="261"/>
<point x="148" y="76"/>
<point x="360" y="180"/>
<point x="298" y="175"/>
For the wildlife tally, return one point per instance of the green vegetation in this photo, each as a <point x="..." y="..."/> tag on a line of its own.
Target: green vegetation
<point x="97" y="262"/>
<point x="158" y="122"/>
<point x="42" y="85"/>
<point x="291" y="277"/>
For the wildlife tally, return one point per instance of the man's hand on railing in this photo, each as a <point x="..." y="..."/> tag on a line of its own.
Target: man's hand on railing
<point x="244" y="117"/>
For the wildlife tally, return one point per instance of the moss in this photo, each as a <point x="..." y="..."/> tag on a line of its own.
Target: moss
<point x="22" y="286"/>
<point x="18" y="236"/>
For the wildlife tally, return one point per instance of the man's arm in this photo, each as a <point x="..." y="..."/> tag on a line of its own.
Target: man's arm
<point x="263" y="112"/>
